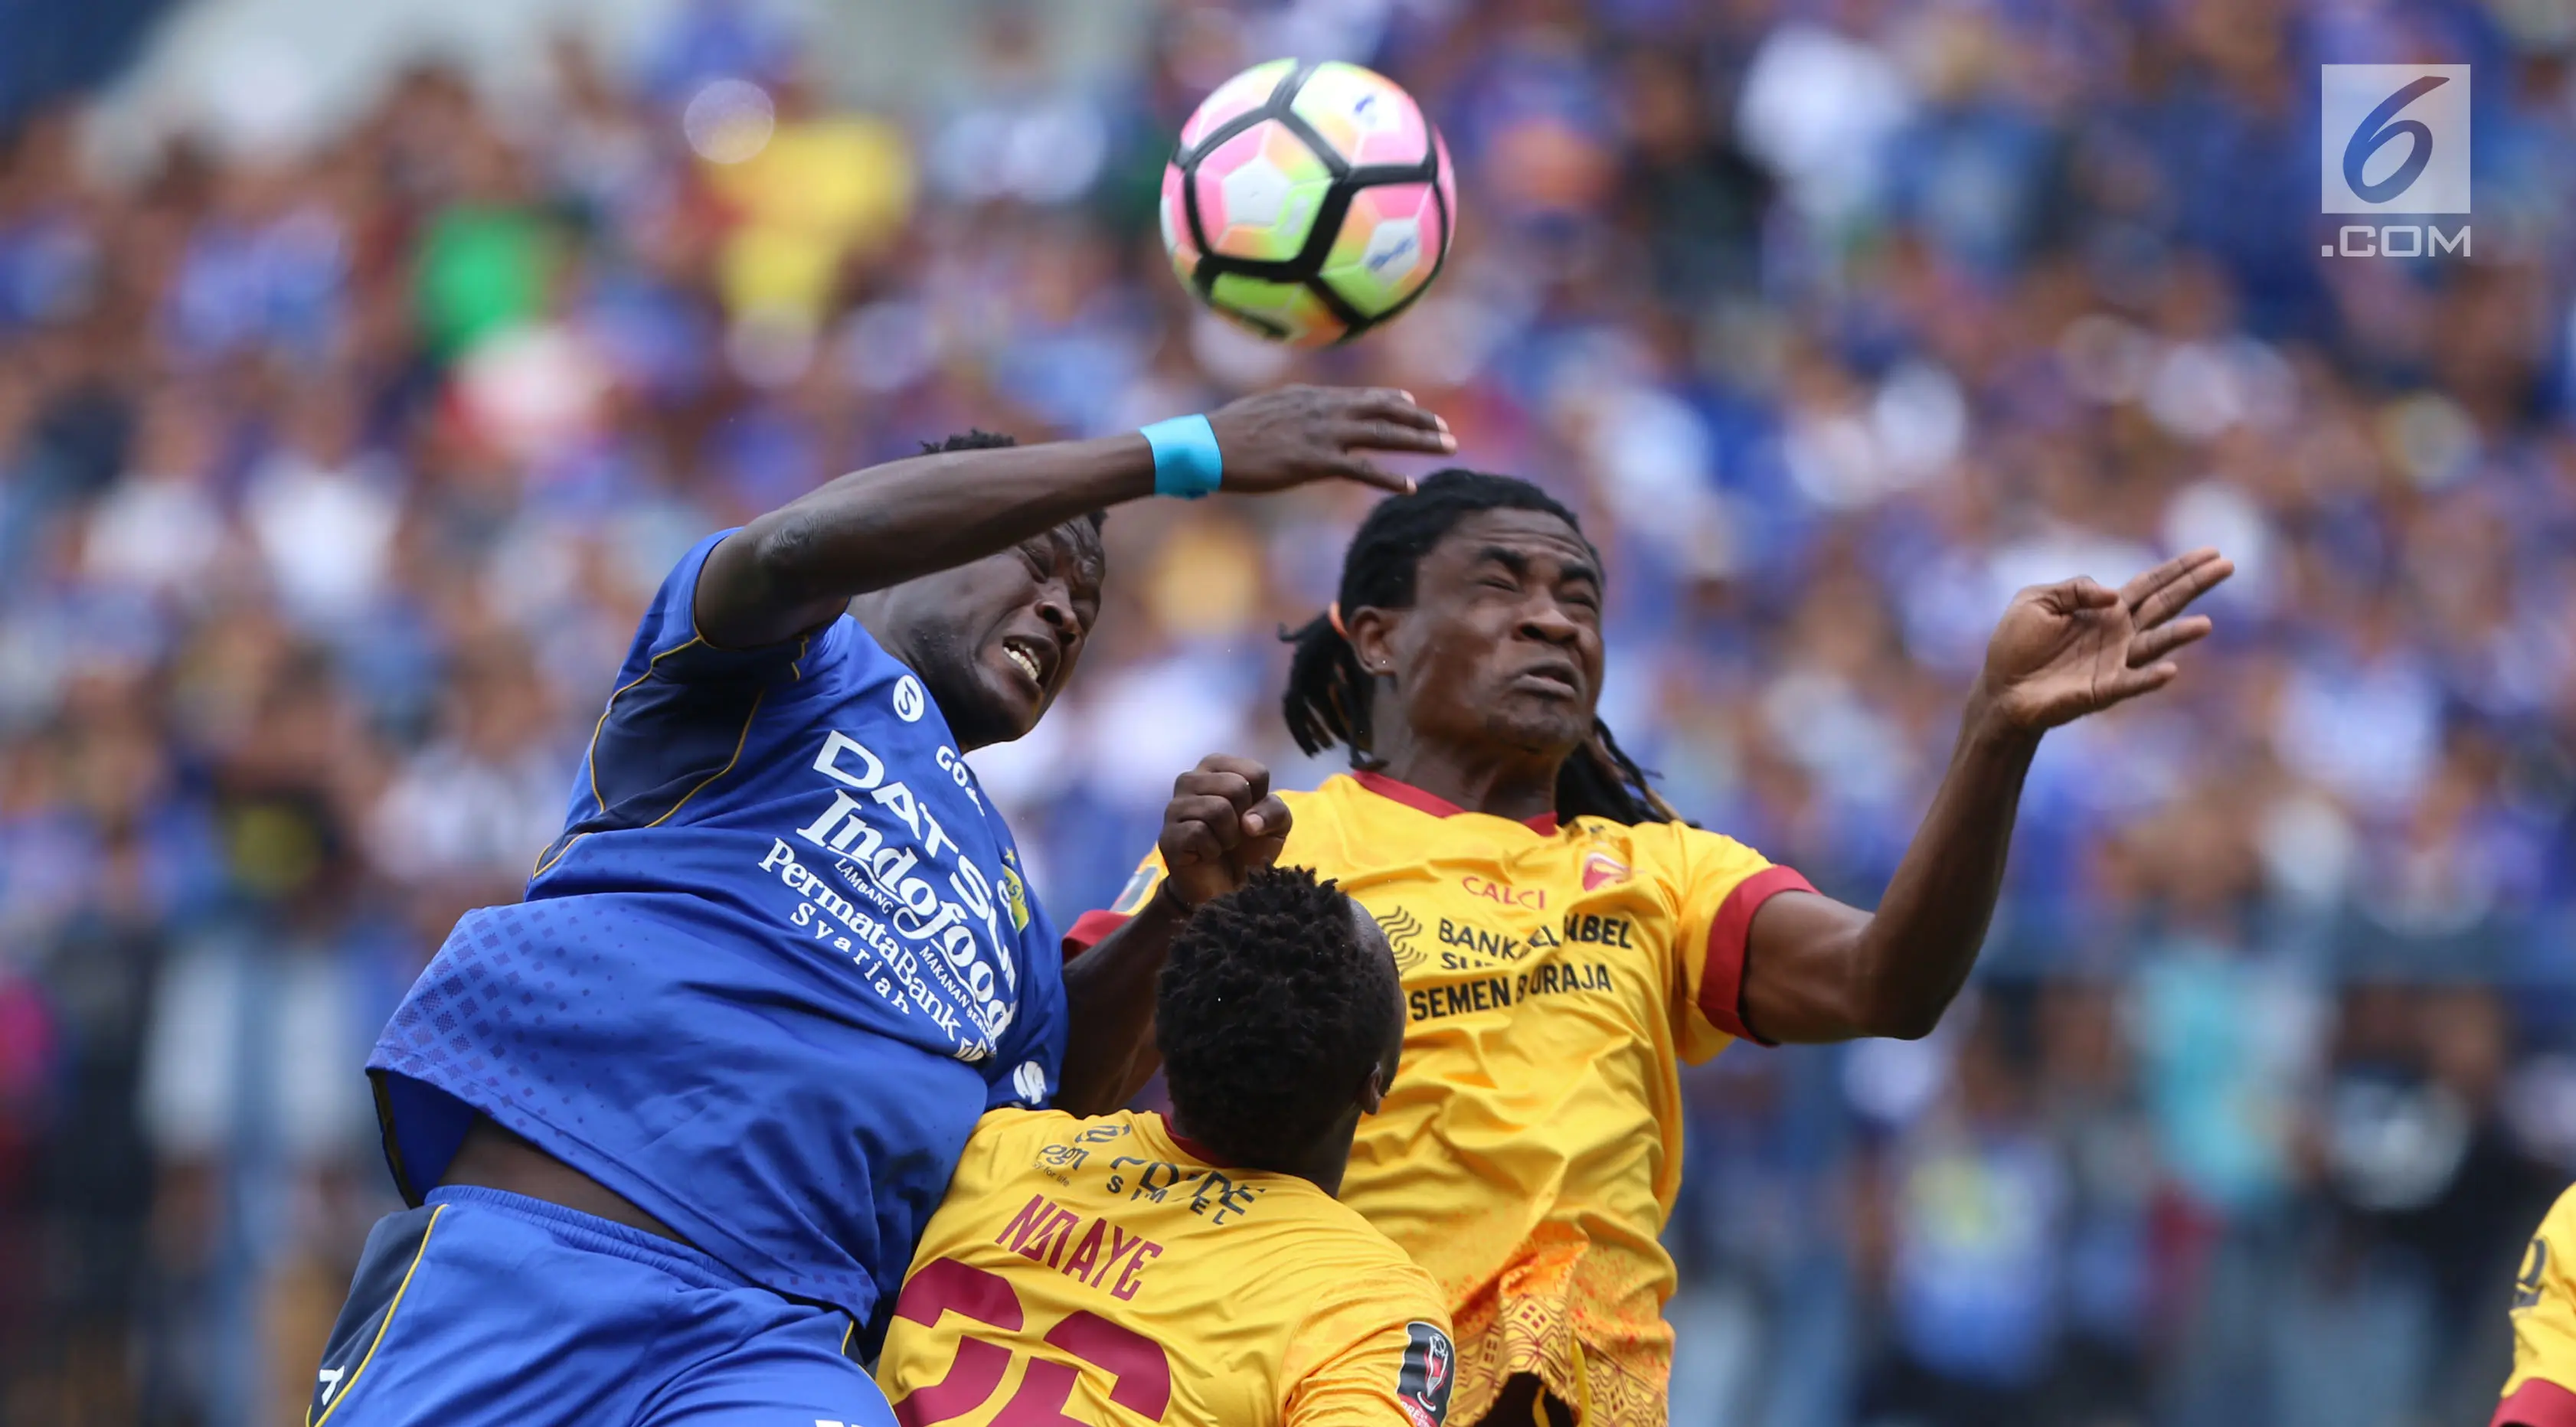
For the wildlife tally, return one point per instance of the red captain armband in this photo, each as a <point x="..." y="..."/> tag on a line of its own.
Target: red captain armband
<point x="1089" y="928"/>
<point x="1721" y="982"/>
<point x="2537" y="1403"/>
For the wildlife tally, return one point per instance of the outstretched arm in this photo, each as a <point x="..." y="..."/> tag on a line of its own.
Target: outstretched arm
<point x="1222" y="824"/>
<point x="793" y="570"/>
<point x="1817" y="970"/>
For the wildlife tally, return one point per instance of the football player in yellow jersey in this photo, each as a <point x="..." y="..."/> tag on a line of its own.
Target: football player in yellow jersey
<point x="1565" y="939"/>
<point x="1125" y="1270"/>
<point x="2542" y="1390"/>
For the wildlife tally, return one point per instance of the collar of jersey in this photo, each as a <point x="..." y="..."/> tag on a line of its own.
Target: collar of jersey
<point x="1189" y="1146"/>
<point x="1439" y="807"/>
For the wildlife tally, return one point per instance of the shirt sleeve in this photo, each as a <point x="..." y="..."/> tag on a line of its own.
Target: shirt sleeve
<point x="1716" y="885"/>
<point x="2542" y="1390"/>
<point x="668" y="646"/>
<point x="1374" y="1352"/>
<point x="1091" y="926"/>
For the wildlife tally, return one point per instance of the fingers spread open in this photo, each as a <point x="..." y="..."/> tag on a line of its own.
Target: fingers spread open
<point x="2080" y="593"/>
<point x="2178" y="595"/>
<point x="2147" y="582"/>
<point x="2164" y="591"/>
<point x="2156" y="643"/>
<point x="2129" y="683"/>
<point x="1388" y="404"/>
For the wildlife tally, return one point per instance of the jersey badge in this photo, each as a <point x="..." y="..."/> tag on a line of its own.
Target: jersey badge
<point x="1429" y="1369"/>
<point x="1016" y="893"/>
<point x="1600" y="870"/>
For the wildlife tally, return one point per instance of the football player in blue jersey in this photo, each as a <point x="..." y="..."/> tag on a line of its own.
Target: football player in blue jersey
<point x="673" y="1123"/>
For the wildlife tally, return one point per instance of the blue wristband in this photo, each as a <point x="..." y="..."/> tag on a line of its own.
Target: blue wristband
<point x="1186" y="461"/>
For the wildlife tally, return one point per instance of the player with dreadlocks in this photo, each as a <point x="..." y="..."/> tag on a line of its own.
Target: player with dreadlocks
<point x="1567" y="940"/>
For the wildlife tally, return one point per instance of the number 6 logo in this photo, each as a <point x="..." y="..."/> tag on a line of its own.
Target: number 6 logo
<point x="1142" y="1371"/>
<point x="2381" y="128"/>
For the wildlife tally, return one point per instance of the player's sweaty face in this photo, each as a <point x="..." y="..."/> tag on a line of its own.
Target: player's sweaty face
<point x="1503" y="643"/>
<point x="997" y="638"/>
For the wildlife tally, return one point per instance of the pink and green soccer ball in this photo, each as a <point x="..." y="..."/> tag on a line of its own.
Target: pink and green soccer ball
<point x="1308" y="202"/>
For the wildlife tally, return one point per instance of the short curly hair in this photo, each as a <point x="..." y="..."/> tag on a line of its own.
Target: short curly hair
<point x="1271" y="1010"/>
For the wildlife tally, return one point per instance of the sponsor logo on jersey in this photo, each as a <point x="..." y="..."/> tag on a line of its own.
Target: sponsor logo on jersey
<point x="909" y="701"/>
<point x="1501" y="992"/>
<point x="1601" y="870"/>
<point x="1509" y="896"/>
<point x="927" y="919"/>
<point x="1403" y="930"/>
<point x="1430" y="1368"/>
<point x="1058" y="1162"/>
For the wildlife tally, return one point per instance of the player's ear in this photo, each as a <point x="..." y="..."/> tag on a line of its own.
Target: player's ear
<point x="1373" y="1089"/>
<point x="1371" y="631"/>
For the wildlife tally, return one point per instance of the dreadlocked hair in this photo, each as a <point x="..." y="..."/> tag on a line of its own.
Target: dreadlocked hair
<point x="976" y="438"/>
<point x="1271" y="1011"/>
<point x="1328" y="693"/>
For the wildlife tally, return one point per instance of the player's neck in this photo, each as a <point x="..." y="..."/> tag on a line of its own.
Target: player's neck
<point x="1322" y="1165"/>
<point x="1516" y="785"/>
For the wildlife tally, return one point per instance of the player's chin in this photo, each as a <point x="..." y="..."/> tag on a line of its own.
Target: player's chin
<point x="1011" y="703"/>
<point x="1552" y="724"/>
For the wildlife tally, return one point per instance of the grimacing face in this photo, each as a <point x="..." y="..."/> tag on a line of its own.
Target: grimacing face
<point x="1502" y="644"/>
<point x="995" y="640"/>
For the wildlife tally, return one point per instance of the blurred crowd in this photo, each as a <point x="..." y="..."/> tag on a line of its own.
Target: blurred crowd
<point x="332" y="481"/>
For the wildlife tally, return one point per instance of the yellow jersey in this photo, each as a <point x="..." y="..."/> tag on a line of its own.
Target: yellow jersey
<point x="2542" y="1390"/>
<point x="1109" y="1272"/>
<point x="1555" y="978"/>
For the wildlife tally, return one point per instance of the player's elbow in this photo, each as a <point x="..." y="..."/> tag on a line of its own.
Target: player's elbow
<point x="1899" y="1013"/>
<point x="782" y="555"/>
<point x="1905" y="1023"/>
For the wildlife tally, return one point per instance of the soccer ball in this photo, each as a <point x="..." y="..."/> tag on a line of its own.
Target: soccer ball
<point x="1308" y="202"/>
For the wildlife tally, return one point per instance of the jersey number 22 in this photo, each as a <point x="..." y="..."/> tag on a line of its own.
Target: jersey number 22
<point x="1143" y="1372"/>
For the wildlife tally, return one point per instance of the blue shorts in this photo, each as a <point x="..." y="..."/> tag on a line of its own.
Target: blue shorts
<point x="488" y="1308"/>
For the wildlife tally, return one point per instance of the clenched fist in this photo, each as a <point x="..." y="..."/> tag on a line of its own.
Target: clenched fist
<point x="1222" y="825"/>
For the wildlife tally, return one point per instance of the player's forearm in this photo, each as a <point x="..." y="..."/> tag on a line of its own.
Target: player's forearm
<point x="1816" y="970"/>
<point x="1913" y="956"/>
<point x="1109" y="998"/>
<point x="795" y="568"/>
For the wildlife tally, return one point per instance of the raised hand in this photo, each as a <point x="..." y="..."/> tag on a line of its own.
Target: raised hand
<point x="1222" y="825"/>
<point x="2075" y="647"/>
<point x="1301" y="434"/>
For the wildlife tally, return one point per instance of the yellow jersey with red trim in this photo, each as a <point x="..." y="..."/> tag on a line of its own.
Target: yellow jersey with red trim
<point x="2542" y="1390"/>
<point x="1110" y="1272"/>
<point x="1556" y="978"/>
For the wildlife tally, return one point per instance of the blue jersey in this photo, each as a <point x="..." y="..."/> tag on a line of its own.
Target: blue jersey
<point x="779" y="962"/>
